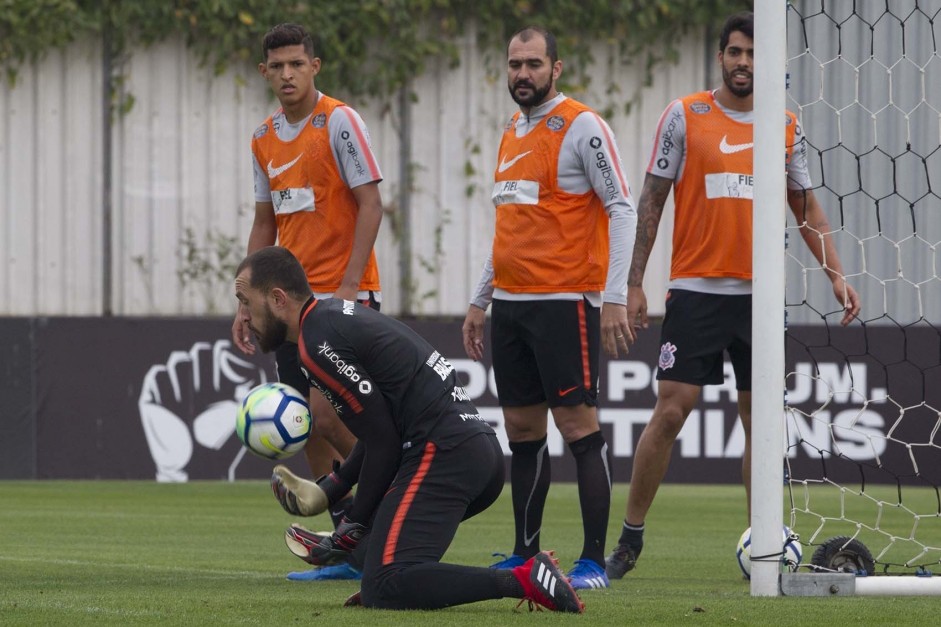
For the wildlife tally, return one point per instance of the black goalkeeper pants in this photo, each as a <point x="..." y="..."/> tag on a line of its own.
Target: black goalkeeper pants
<point x="432" y="493"/>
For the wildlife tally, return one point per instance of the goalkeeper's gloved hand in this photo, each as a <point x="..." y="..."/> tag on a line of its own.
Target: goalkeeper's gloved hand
<point x="337" y="548"/>
<point x="297" y="496"/>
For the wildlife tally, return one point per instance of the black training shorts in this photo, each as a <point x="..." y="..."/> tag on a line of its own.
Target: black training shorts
<point x="546" y="351"/>
<point x="697" y="329"/>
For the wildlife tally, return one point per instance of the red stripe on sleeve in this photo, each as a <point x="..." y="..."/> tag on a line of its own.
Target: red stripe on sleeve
<point x="361" y="138"/>
<point x="388" y="551"/>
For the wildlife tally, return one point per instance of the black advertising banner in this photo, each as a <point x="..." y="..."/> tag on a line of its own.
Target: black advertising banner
<point x="17" y="411"/>
<point x="875" y="399"/>
<point x="155" y="398"/>
<point x="137" y="398"/>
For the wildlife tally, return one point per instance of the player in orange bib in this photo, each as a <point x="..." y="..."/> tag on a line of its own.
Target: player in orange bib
<point x="316" y="194"/>
<point x="703" y="151"/>
<point x="557" y="280"/>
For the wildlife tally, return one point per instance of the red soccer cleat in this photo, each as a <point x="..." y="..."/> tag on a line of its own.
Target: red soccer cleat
<point x="546" y="586"/>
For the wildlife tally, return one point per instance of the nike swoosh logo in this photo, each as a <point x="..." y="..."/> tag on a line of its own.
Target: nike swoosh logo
<point x="731" y="149"/>
<point x="566" y="391"/>
<point x="527" y="539"/>
<point x="506" y="165"/>
<point x="273" y="172"/>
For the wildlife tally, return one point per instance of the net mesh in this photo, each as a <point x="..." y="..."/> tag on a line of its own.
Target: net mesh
<point x="864" y="402"/>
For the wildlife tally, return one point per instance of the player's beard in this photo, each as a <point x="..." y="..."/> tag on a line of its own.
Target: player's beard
<point x="536" y="96"/>
<point x="274" y="332"/>
<point x="739" y="92"/>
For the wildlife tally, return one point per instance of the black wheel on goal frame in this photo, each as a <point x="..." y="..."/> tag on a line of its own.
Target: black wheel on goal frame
<point x="844" y="554"/>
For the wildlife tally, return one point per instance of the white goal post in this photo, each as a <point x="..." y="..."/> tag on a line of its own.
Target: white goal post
<point x="768" y="295"/>
<point x="846" y="429"/>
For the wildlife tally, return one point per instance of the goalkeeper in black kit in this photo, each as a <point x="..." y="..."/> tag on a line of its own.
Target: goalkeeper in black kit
<point x="424" y="460"/>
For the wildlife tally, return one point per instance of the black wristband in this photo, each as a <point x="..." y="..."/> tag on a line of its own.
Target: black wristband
<point x="334" y="487"/>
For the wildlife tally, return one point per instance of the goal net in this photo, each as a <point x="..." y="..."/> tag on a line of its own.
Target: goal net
<point x="862" y="460"/>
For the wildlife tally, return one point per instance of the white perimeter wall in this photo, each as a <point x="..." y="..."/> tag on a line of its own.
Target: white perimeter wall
<point x="182" y="160"/>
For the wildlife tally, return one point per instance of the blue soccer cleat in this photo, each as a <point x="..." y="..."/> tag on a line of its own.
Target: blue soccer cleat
<point x="508" y="561"/>
<point x="338" y="572"/>
<point x="587" y="575"/>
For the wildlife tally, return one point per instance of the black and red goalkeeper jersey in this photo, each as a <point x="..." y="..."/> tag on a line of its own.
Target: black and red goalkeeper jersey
<point x="388" y="385"/>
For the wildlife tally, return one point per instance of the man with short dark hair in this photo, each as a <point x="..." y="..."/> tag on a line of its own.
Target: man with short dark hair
<point x="703" y="151"/>
<point x="316" y="193"/>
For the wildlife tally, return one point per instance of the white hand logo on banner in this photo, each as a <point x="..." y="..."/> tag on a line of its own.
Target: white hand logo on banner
<point x="193" y="396"/>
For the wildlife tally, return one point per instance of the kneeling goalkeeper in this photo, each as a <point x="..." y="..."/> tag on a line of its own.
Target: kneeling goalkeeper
<point x="424" y="461"/>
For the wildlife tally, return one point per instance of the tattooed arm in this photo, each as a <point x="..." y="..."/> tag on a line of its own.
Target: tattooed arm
<point x="649" y="209"/>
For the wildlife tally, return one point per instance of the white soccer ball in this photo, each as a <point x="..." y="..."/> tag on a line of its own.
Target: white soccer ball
<point x="273" y="421"/>
<point x="793" y="552"/>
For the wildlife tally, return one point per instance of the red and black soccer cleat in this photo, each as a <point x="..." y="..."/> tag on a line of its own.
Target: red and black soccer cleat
<point x="546" y="586"/>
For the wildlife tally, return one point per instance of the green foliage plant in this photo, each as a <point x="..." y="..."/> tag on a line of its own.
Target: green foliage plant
<point x="369" y="47"/>
<point x="207" y="263"/>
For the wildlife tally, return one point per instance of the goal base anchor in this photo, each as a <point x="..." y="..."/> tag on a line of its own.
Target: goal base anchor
<point x="818" y="584"/>
<point x="848" y="584"/>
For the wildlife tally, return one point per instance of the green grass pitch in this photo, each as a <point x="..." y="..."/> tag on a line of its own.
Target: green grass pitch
<point x="208" y="553"/>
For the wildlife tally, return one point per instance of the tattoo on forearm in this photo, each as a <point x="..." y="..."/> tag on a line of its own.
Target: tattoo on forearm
<point x="649" y="210"/>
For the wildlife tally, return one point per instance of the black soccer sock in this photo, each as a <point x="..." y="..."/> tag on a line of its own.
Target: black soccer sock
<point x="529" y="479"/>
<point x="632" y="536"/>
<point x="593" y="466"/>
